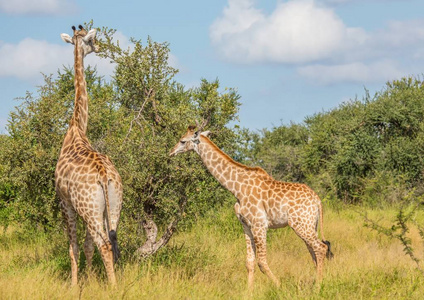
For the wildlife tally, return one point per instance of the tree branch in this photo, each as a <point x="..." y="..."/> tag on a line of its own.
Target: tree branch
<point x="152" y="244"/>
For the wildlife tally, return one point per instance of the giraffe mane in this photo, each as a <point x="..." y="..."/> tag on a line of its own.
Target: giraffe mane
<point x="258" y="170"/>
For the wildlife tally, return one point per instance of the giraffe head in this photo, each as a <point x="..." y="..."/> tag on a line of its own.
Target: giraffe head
<point x="85" y="41"/>
<point x="189" y="141"/>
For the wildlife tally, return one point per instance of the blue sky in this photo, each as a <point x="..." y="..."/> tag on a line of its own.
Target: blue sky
<point x="288" y="59"/>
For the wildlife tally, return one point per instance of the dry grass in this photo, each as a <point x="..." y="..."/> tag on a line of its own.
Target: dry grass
<point x="207" y="262"/>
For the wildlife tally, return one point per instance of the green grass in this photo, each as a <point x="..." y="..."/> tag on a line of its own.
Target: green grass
<point x="207" y="262"/>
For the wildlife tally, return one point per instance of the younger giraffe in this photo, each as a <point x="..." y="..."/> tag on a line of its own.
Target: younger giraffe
<point x="87" y="183"/>
<point x="262" y="203"/>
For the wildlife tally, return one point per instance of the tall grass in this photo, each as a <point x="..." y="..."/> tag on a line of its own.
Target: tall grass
<point x="207" y="262"/>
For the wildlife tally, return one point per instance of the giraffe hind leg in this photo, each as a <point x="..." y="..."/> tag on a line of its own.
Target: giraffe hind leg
<point x="329" y="254"/>
<point x="317" y="248"/>
<point x="312" y="252"/>
<point x="320" y="250"/>
<point x="115" y="203"/>
<point x="88" y="249"/>
<point x="259" y="235"/>
<point x="71" y="228"/>
<point x="107" y="257"/>
<point x="105" y="248"/>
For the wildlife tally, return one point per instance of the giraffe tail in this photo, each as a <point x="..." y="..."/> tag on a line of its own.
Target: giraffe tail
<point x="329" y="254"/>
<point x="114" y="241"/>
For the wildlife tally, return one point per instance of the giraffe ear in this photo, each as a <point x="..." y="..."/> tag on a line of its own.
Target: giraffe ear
<point x="206" y="133"/>
<point x="66" y="38"/>
<point x="90" y="35"/>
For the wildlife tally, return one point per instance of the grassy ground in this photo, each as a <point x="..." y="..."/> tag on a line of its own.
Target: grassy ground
<point x="207" y="262"/>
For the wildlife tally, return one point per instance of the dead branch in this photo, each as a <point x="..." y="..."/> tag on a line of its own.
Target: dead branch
<point x="152" y="244"/>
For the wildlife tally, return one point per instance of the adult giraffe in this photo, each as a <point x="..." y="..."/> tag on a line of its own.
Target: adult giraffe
<point x="262" y="203"/>
<point x="87" y="183"/>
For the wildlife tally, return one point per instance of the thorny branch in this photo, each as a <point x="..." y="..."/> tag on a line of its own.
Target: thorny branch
<point x="399" y="231"/>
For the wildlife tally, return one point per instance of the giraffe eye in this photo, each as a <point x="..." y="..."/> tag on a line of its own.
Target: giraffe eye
<point x="182" y="142"/>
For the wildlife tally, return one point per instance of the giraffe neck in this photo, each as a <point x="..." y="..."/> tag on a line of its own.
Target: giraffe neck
<point x="227" y="171"/>
<point x="80" y="115"/>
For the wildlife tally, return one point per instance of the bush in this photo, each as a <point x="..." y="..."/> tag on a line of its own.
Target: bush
<point x="368" y="151"/>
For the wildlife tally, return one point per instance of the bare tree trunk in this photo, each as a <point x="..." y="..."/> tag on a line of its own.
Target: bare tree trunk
<point x="152" y="244"/>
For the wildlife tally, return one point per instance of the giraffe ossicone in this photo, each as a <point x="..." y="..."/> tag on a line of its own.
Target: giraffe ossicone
<point x="87" y="183"/>
<point x="262" y="203"/>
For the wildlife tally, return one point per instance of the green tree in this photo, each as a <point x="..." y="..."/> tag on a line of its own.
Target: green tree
<point x="135" y="118"/>
<point x="363" y="151"/>
<point x="156" y="111"/>
<point x="278" y="151"/>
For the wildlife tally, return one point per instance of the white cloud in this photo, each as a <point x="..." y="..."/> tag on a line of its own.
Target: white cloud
<point x="358" y="72"/>
<point x="29" y="58"/>
<point x="311" y="37"/>
<point x="174" y="62"/>
<point x="356" y="1"/>
<point x="39" y="7"/>
<point x="297" y="31"/>
<point x="392" y="52"/>
<point x="238" y="17"/>
<point x="401" y="33"/>
<point x="338" y="1"/>
<point x="104" y="67"/>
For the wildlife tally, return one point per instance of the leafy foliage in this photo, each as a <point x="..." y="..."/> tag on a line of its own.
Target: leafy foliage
<point x="135" y="118"/>
<point x="368" y="151"/>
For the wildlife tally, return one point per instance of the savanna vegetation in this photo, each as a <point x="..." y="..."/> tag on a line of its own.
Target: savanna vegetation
<point x="206" y="261"/>
<point x="365" y="158"/>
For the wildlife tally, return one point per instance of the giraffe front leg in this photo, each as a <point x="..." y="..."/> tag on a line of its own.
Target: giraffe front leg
<point x="259" y="235"/>
<point x="250" y="256"/>
<point x="73" y="254"/>
<point x="250" y="246"/>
